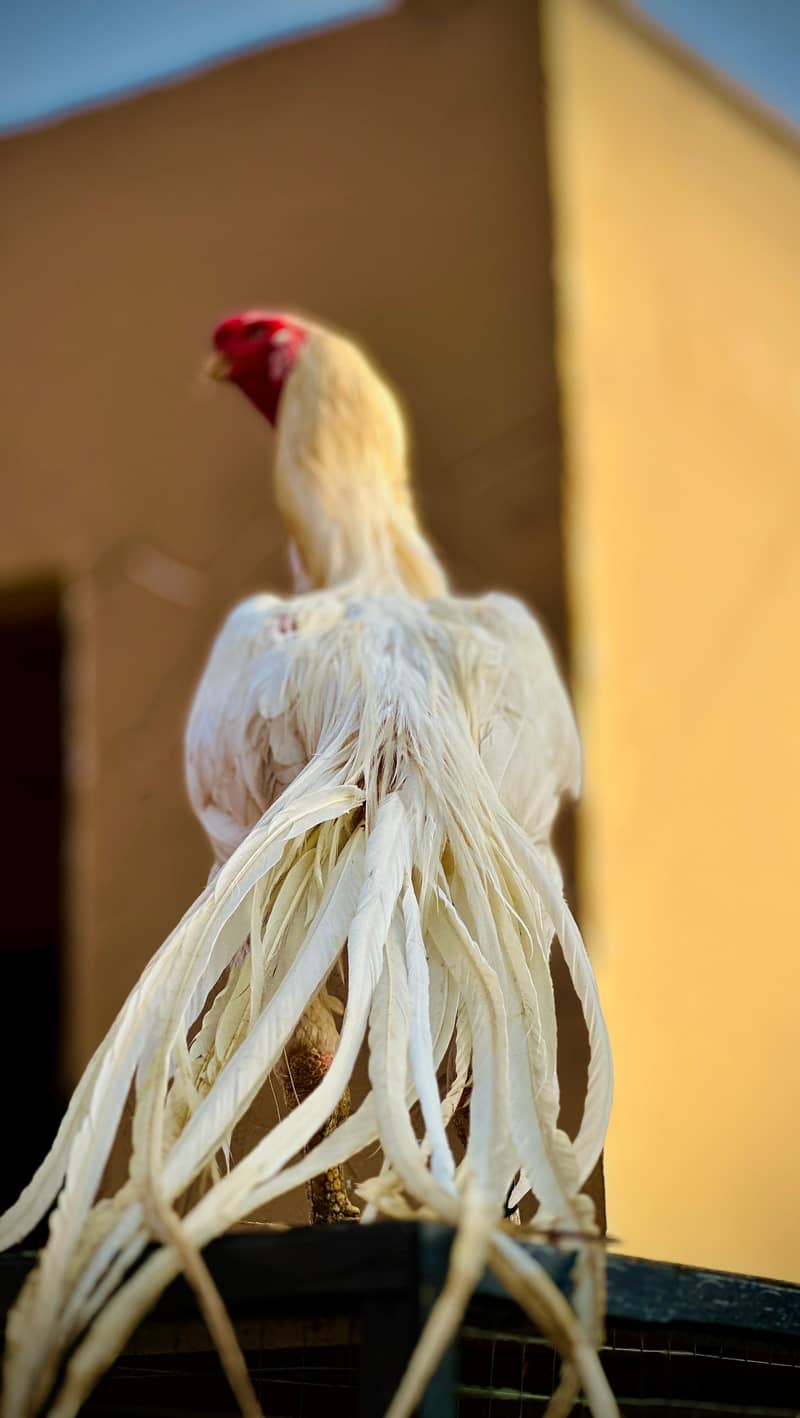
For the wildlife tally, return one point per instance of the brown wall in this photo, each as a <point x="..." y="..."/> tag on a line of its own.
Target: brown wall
<point x="388" y="177"/>
<point x="678" y="226"/>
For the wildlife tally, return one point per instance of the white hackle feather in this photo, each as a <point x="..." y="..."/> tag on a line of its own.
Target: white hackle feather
<point x="378" y="765"/>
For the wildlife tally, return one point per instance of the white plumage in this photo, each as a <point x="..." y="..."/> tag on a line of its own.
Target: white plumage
<point x="378" y="765"/>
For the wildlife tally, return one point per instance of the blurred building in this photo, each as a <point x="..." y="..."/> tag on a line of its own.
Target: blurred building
<point x="395" y="177"/>
<point x="388" y="177"/>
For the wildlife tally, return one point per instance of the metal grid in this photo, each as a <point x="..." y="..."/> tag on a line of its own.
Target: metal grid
<point x="328" y="1318"/>
<point x="661" y="1374"/>
<point x="313" y="1375"/>
<point x="311" y="1368"/>
<point x="653" y="1370"/>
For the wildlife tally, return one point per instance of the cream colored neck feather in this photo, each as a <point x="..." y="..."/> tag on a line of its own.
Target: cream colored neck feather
<point x="341" y="475"/>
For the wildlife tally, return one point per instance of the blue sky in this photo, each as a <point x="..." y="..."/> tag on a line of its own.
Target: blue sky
<point x="756" y="42"/>
<point x="57" y="55"/>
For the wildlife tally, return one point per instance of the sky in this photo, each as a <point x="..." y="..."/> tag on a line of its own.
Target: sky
<point x="58" y="55"/>
<point x="756" y="42"/>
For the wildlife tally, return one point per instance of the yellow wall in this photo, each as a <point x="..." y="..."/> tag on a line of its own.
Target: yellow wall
<point x="678" y="231"/>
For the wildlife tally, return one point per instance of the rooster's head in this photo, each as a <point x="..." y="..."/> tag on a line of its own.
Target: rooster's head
<point x="257" y="350"/>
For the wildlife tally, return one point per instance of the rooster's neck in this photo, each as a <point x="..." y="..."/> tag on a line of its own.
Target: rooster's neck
<point x="368" y="552"/>
<point x="342" y="477"/>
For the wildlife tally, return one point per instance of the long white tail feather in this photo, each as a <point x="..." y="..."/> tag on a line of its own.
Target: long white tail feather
<point x="488" y="1152"/>
<point x="544" y="1149"/>
<point x="600" y="1082"/>
<point x="444" y="1003"/>
<point x="421" y="1051"/>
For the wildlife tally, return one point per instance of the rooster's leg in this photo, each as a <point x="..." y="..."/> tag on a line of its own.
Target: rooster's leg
<point x="461" y="1118"/>
<point x="308" y="1058"/>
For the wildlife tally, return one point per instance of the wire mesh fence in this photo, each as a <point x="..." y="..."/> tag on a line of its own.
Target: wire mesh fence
<point x="327" y="1320"/>
<point x="498" y="1374"/>
<point x="652" y="1371"/>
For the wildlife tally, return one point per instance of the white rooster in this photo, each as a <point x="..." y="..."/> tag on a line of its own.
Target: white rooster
<point x="378" y="765"/>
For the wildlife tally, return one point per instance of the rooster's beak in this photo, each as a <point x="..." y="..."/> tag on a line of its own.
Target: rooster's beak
<point x="218" y="367"/>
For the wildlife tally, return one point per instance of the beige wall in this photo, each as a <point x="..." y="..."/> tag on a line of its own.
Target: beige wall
<point x="678" y="229"/>
<point x="389" y="177"/>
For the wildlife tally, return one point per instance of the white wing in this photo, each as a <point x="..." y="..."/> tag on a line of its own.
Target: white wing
<point x="242" y="747"/>
<point x="521" y="717"/>
<point x="244" y="744"/>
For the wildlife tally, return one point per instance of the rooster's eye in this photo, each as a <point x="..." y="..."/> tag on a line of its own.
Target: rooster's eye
<point x="255" y="331"/>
